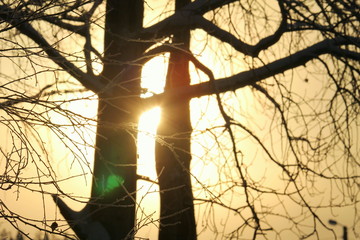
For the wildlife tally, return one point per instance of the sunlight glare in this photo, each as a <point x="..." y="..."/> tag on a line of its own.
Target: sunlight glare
<point x="152" y="82"/>
<point x="146" y="142"/>
<point x="153" y="75"/>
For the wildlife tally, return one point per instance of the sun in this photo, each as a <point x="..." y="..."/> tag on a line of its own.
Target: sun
<point x="153" y="75"/>
<point x="146" y="143"/>
<point x="153" y="82"/>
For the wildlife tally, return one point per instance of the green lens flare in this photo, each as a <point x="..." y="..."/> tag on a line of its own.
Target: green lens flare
<point x="110" y="183"/>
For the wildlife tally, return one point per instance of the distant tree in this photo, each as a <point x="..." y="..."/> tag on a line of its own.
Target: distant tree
<point x="272" y="86"/>
<point x="19" y="236"/>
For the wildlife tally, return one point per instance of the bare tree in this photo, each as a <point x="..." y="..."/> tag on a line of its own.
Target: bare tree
<point x="272" y="87"/>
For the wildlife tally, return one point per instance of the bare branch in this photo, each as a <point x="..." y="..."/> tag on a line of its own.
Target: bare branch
<point x="88" y="81"/>
<point x="247" y="49"/>
<point x="190" y="17"/>
<point x="240" y="80"/>
<point x="78" y="29"/>
<point x="181" y="19"/>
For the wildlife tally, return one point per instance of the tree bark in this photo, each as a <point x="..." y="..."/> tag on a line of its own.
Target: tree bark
<point x="114" y="183"/>
<point x="110" y="214"/>
<point x="177" y="219"/>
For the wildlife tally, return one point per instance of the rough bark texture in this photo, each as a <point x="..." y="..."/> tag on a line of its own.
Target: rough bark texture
<point x="173" y="159"/>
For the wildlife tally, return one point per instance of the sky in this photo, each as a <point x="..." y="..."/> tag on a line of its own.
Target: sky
<point x="209" y="165"/>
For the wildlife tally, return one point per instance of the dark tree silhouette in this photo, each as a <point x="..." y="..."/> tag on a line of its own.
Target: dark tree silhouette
<point x="279" y="78"/>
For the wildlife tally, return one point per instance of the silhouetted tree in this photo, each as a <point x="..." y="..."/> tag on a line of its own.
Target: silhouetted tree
<point x="280" y="80"/>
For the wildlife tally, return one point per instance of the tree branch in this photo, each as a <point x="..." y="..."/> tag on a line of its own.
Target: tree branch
<point x="190" y="17"/>
<point x="89" y="81"/>
<point x="181" y="19"/>
<point x="204" y="6"/>
<point x="246" y="78"/>
<point x="78" y="29"/>
<point x="251" y="50"/>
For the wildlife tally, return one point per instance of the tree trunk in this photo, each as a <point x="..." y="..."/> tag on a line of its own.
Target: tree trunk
<point x="177" y="219"/>
<point x="110" y="214"/>
<point x="114" y="184"/>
